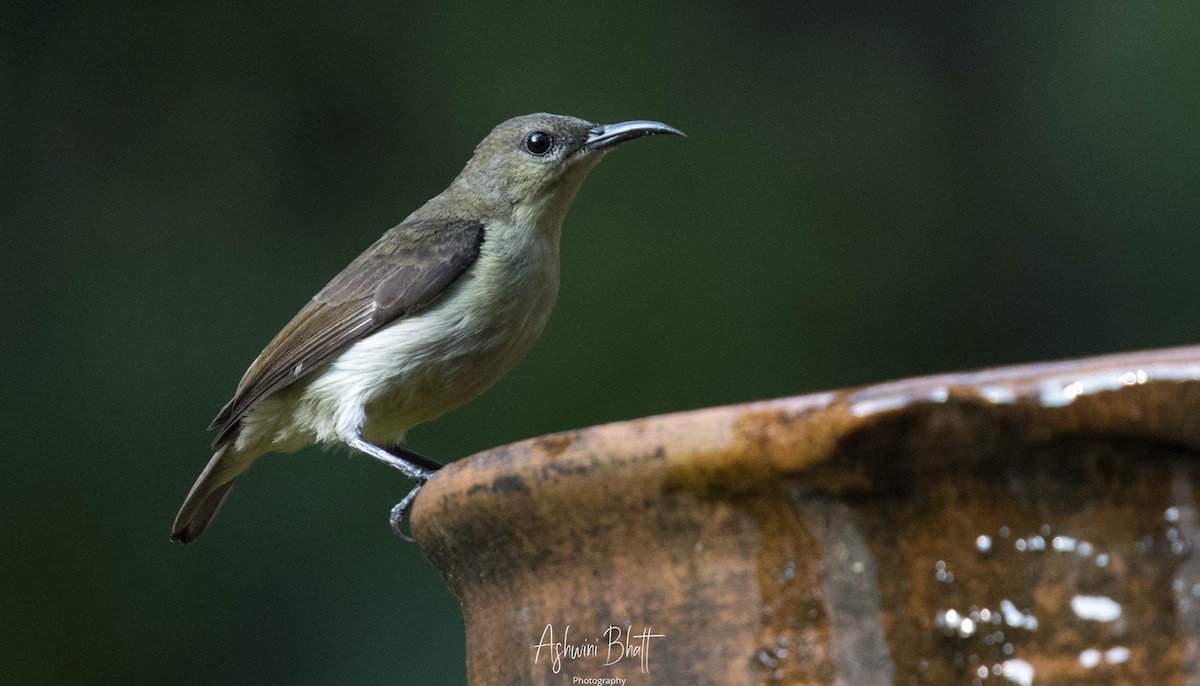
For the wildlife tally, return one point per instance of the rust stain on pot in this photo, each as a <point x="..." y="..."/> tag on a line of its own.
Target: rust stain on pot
<point x="764" y="445"/>
<point x="794" y="635"/>
<point x="555" y="444"/>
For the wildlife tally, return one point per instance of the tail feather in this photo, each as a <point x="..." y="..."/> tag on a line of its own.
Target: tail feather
<point x="207" y="494"/>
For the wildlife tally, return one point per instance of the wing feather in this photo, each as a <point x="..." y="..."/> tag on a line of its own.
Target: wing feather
<point x="397" y="276"/>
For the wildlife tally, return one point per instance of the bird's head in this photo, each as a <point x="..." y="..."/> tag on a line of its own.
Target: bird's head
<point x="535" y="164"/>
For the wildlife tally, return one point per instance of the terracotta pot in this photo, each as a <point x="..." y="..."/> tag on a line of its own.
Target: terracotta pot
<point x="1032" y="524"/>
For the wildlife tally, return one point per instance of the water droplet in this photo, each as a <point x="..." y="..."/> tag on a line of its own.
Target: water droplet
<point x="1096" y="608"/>
<point x="1172" y="514"/>
<point x="1063" y="543"/>
<point x="966" y="628"/>
<point x="1117" y="655"/>
<point x="1016" y="618"/>
<point x="1018" y="671"/>
<point x="766" y="660"/>
<point x="983" y="544"/>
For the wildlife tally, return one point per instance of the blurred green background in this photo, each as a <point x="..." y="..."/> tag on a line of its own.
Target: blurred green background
<point x="865" y="194"/>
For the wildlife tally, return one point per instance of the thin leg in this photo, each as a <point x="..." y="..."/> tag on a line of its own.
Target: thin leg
<point x="415" y="458"/>
<point x="416" y="469"/>
<point x="400" y="510"/>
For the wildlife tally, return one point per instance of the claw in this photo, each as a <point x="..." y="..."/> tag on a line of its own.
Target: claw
<point x="397" y="517"/>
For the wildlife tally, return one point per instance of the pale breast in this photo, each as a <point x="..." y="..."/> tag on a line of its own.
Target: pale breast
<point x="426" y="365"/>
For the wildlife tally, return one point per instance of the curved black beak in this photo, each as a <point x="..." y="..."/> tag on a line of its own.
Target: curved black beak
<point x="608" y="135"/>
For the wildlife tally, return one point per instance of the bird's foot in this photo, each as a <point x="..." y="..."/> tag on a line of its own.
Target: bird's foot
<point x="401" y="509"/>
<point x="412" y="464"/>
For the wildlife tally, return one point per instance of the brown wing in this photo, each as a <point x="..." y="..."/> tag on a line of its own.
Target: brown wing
<point x="407" y="269"/>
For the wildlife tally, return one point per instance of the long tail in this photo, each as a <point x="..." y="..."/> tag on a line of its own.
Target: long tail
<point x="207" y="494"/>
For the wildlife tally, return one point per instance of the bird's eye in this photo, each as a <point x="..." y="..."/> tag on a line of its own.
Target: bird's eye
<point x="538" y="143"/>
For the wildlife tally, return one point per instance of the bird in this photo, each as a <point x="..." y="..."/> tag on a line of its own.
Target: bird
<point x="428" y="317"/>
